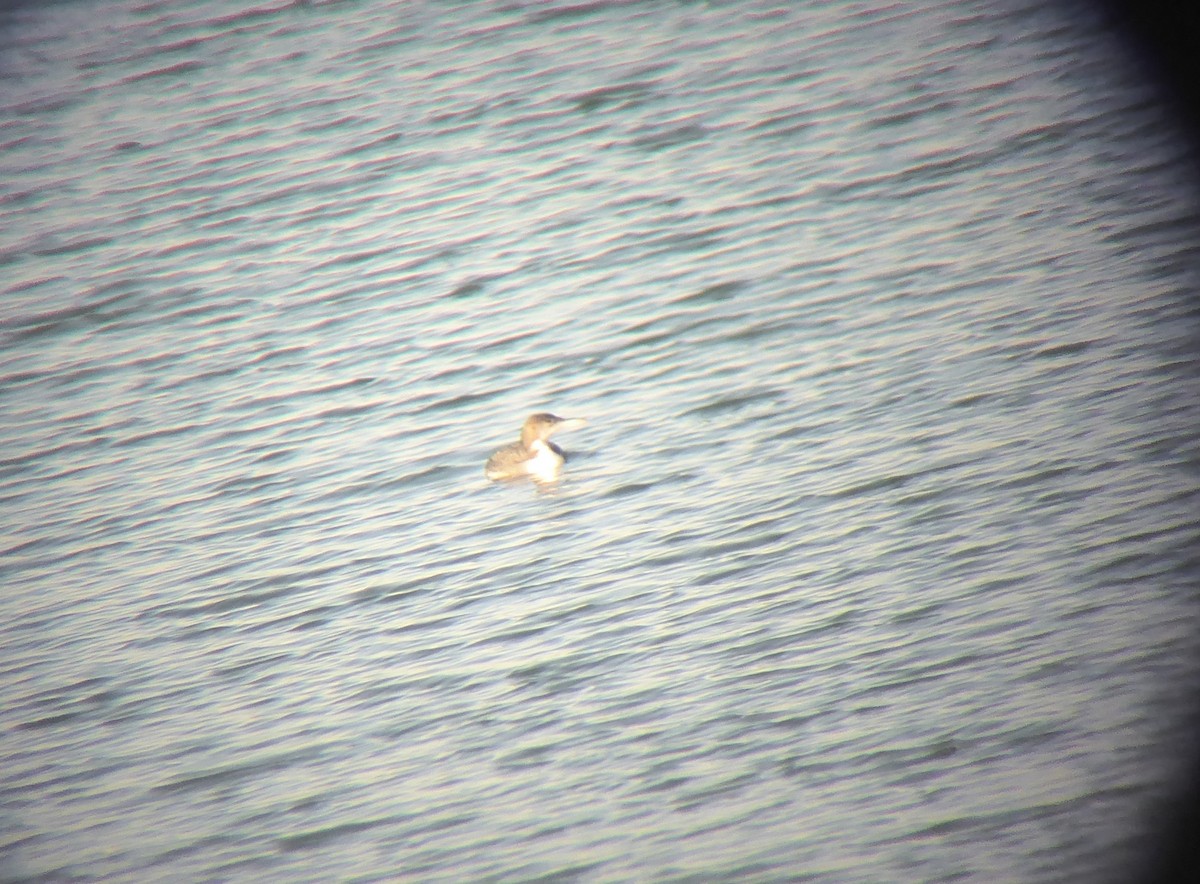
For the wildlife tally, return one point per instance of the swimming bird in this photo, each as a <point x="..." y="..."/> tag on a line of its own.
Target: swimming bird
<point x="534" y="455"/>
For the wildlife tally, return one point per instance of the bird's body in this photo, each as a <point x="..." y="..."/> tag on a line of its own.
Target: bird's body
<point x="534" y="455"/>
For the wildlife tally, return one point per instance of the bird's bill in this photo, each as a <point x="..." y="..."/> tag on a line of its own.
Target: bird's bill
<point x="570" y="423"/>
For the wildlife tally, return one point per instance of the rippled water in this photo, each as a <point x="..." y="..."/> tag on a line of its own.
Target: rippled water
<point x="876" y="561"/>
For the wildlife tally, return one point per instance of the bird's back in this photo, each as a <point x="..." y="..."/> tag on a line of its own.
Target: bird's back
<point x="507" y="462"/>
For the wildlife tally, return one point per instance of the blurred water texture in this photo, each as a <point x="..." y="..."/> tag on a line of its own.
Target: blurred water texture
<point x="877" y="560"/>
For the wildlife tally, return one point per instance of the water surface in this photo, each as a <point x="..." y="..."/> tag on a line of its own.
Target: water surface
<point x="875" y="562"/>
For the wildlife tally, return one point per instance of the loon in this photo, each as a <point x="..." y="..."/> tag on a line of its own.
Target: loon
<point x="535" y="455"/>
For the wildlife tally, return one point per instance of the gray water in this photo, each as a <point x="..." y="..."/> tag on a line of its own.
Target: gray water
<point x="876" y="562"/>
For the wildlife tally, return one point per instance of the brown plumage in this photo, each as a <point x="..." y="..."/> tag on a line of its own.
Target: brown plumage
<point x="534" y="455"/>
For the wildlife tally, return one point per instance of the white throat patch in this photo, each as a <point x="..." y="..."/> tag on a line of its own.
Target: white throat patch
<point x="545" y="463"/>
